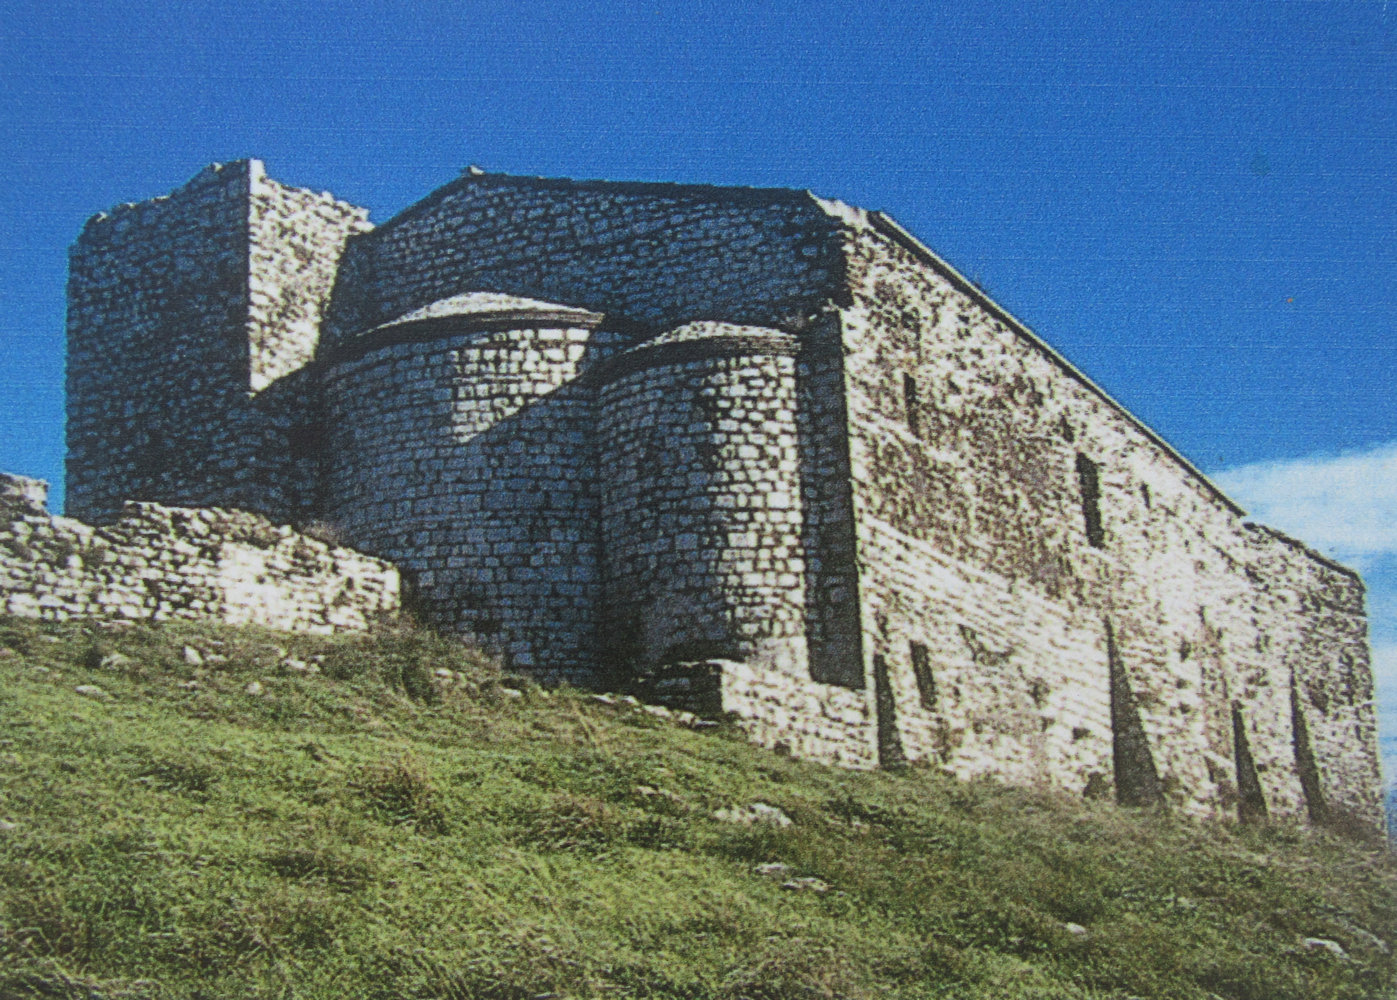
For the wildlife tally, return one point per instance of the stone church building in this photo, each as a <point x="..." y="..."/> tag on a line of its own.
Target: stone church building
<point x="747" y="447"/>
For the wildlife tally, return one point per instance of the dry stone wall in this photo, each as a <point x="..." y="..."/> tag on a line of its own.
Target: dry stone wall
<point x="1053" y="594"/>
<point x="161" y="563"/>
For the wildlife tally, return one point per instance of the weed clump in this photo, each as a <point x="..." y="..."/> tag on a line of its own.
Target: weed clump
<point x="402" y="791"/>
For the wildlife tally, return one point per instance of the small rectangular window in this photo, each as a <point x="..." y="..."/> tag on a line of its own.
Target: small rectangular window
<point x="1089" y="480"/>
<point x="909" y="397"/>
<point x="921" y="669"/>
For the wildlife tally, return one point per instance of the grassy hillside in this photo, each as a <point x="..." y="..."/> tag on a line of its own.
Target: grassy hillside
<point x="201" y="812"/>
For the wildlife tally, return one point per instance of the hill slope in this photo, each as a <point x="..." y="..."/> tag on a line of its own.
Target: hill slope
<point x="201" y="812"/>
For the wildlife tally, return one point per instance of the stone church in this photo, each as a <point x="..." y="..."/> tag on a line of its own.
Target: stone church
<point x="738" y="448"/>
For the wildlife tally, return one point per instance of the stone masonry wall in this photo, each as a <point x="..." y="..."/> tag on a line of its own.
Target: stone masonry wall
<point x="700" y="509"/>
<point x="186" y="315"/>
<point x="157" y="298"/>
<point x="296" y="239"/>
<point x="703" y="520"/>
<point x="844" y="494"/>
<point x="1051" y="593"/>
<point x="468" y="459"/>
<point x="651" y="254"/>
<point x="162" y="563"/>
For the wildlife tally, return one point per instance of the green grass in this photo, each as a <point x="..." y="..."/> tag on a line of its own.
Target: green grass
<point x="367" y="832"/>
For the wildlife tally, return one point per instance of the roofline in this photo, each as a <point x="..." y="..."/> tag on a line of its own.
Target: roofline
<point x="886" y="225"/>
<point x="1304" y="549"/>
<point x="693" y="192"/>
<point x="431" y="328"/>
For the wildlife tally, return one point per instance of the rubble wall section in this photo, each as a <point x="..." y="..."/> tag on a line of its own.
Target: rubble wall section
<point x="160" y="563"/>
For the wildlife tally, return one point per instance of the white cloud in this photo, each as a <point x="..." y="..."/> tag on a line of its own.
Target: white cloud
<point x="1344" y="505"/>
<point x="1385" y="667"/>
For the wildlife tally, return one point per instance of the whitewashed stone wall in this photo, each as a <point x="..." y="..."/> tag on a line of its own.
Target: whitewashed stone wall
<point x="162" y="563"/>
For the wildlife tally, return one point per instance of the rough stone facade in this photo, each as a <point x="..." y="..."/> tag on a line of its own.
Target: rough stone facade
<point x="160" y="563"/>
<point x="748" y="448"/>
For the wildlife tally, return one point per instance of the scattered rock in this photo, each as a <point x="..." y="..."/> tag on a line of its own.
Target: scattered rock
<point x="773" y="869"/>
<point x="189" y="685"/>
<point x="114" y="661"/>
<point x="1076" y="930"/>
<point x="1368" y="938"/>
<point x="647" y="792"/>
<point x="91" y="691"/>
<point x="659" y="711"/>
<point x="1324" y="944"/>
<point x="254" y="689"/>
<point x="6" y="652"/>
<point x="604" y="699"/>
<point x="295" y="666"/>
<point x="6" y="826"/>
<point x="511" y="692"/>
<point x="445" y="673"/>
<point x="703" y="724"/>
<point x="807" y="883"/>
<point x="757" y="812"/>
<point x="193" y="657"/>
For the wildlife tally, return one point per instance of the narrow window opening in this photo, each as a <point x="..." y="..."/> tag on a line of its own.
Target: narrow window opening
<point x="1305" y="759"/>
<point x="909" y="396"/>
<point x="1089" y="480"/>
<point x="1251" y="803"/>
<point x="1145" y="495"/>
<point x="890" y="753"/>
<point x="1137" y="780"/>
<point x="921" y="669"/>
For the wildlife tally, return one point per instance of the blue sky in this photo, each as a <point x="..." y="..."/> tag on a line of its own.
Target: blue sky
<point x="1193" y="201"/>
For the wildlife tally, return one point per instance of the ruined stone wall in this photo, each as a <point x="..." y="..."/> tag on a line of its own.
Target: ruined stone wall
<point x="162" y="563"/>
<point x="468" y="459"/>
<point x="189" y="320"/>
<point x="650" y="254"/>
<point x="1048" y="591"/>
